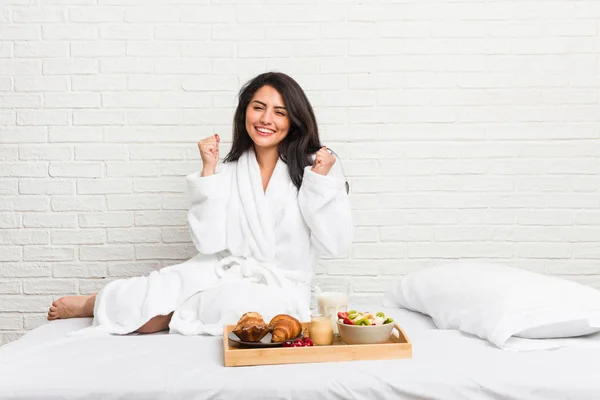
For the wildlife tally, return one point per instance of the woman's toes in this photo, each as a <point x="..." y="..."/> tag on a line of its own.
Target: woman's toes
<point x="52" y="314"/>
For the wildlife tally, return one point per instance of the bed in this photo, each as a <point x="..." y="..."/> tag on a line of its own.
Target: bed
<point x="446" y="364"/>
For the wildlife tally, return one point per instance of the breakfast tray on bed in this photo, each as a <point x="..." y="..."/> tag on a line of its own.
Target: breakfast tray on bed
<point x="398" y="346"/>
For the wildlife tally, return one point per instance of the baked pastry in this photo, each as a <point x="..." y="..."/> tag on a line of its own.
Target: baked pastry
<point x="251" y="327"/>
<point x="284" y="327"/>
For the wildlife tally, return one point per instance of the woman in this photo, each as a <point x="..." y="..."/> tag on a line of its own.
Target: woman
<point x="259" y="221"/>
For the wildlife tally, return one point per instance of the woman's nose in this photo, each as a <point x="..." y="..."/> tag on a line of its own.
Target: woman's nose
<point x="265" y="118"/>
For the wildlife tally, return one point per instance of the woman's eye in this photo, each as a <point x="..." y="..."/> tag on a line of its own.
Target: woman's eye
<point x="258" y="108"/>
<point x="281" y="114"/>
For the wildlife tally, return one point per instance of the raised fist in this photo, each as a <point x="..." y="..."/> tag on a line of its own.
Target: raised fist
<point x="209" y="152"/>
<point x="323" y="161"/>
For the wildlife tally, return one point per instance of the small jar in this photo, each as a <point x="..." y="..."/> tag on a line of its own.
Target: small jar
<point x="320" y="331"/>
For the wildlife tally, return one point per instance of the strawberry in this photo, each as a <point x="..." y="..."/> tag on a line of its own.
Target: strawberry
<point x="347" y="321"/>
<point x="342" y="315"/>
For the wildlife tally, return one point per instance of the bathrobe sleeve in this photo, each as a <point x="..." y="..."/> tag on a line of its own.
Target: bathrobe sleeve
<point x="326" y="210"/>
<point x="207" y="215"/>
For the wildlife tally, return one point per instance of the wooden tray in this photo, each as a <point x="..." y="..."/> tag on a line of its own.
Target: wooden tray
<point x="398" y="346"/>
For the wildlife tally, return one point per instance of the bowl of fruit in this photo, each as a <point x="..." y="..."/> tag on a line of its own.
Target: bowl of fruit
<point x="364" y="328"/>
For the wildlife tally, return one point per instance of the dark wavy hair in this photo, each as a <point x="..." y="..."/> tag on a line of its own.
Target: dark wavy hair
<point x="302" y="139"/>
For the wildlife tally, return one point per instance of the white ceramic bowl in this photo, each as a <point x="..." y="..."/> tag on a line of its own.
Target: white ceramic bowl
<point x="364" y="334"/>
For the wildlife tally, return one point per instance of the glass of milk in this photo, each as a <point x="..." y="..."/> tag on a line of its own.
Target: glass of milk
<point x="331" y="302"/>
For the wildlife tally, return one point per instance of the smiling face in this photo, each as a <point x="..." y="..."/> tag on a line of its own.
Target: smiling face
<point x="267" y="120"/>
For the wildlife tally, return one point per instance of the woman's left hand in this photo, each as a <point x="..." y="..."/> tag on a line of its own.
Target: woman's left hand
<point x="323" y="162"/>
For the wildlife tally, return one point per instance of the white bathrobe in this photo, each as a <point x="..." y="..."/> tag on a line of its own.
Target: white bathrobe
<point x="257" y="252"/>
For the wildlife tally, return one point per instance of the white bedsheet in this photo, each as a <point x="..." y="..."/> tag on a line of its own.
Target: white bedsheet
<point x="46" y="364"/>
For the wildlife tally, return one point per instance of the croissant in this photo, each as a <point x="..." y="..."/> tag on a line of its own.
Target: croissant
<point x="284" y="327"/>
<point x="251" y="327"/>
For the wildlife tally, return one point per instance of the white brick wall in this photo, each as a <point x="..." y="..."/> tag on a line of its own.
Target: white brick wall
<point x="468" y="129"/>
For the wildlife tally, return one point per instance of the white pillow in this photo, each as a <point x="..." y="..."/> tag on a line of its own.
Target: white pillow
<point x="497" y="303"/>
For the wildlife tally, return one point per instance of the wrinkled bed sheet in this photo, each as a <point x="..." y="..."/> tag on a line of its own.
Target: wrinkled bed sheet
<point x="47" y="364"/>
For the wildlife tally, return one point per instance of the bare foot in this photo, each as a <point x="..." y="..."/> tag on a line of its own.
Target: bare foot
<point x="72" y="307"/>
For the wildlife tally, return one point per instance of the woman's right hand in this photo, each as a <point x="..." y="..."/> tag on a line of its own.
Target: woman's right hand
<point x="209" y="152"/>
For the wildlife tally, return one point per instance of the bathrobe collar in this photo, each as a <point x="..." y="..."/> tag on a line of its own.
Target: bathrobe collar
<point x="263" y="210"/>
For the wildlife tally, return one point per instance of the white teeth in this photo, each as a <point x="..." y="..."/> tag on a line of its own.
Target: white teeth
<point x="265" y="130"/>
